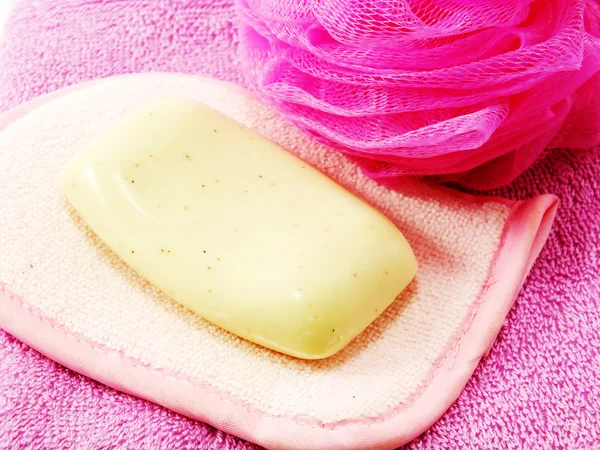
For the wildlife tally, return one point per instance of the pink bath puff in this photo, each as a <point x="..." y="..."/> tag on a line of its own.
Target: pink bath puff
<point x="472" y="91"/>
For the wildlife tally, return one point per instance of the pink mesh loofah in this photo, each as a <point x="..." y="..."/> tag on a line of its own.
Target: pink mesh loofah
<point x="468" y="90"/>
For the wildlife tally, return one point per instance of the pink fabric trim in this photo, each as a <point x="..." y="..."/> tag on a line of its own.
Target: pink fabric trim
<point x="525" y="233"/>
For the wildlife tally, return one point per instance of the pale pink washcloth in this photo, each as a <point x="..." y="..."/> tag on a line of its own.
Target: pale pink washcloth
<point x="71" y="298"/>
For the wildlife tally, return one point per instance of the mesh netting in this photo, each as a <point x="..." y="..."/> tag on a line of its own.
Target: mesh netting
<point x="467" y="90"/>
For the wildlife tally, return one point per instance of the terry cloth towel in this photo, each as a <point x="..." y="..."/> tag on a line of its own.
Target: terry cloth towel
<point x="539" y="388"/>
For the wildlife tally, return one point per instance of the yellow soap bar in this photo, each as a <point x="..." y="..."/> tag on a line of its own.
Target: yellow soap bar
<point x="237" y="229"/>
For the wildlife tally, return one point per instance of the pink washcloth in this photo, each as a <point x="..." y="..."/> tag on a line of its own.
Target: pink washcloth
<point x="538" y="389"/>
<point x="71" y="298"/>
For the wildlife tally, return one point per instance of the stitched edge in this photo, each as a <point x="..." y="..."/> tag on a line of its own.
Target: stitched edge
<point x="489" y="282"/>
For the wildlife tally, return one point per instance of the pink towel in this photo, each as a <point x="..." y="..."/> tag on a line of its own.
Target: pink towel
<point x="540" y="388"/>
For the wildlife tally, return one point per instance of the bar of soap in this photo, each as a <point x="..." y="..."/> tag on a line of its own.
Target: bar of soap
<point x="238" y="230"/>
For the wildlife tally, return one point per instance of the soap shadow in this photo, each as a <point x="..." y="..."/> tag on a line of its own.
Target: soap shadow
<point x="424" y="245"/>
<point x="373" y="333"/>
<point x="111" y="259"/>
